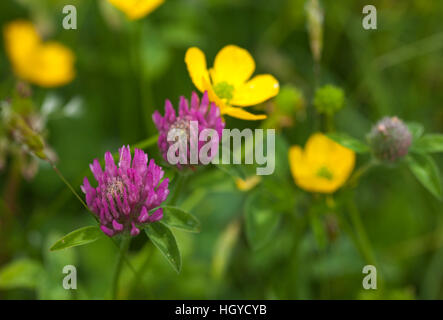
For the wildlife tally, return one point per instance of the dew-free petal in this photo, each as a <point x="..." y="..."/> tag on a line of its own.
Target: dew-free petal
<point x="233" y="65"/>
<point x="257" y="90"/>
<point x="242" y="114"/>
<point x="196" y="63"/>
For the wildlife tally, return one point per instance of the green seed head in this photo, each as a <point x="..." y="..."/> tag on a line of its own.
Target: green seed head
<point x="290" y="100"/>
<point x="329" y="99"/>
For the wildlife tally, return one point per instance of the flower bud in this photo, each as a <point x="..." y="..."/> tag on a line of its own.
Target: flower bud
<point x="290" y="100"/>
<point x="329" y="99"/>
<point x="24" y="134"/>
<point x="390" y="139"/>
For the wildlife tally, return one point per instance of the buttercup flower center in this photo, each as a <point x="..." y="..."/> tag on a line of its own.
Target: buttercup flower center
<point x="224" y="90"/>
<point x="325" y="173"/>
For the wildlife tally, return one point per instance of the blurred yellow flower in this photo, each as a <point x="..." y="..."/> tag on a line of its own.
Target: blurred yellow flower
<point x="323" y="166"/>
<point x="136" y="9"/>
<point x="47" y="64"/>
<point x="228" y="83"/>
<point x="248" y="183"/>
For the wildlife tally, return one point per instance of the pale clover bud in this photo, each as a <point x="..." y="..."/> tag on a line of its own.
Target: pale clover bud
<point x="329" y="99"/>
<point x="390" y="139"/>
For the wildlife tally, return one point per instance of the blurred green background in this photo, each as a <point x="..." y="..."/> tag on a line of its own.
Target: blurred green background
<point x="125" y="70"/>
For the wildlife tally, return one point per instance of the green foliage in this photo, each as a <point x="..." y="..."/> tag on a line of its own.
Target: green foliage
<point x="261" y="219"/>
<point x="50" y="284"/>
<point x="180" y="219"/>
<point x="349" y="142"/>
<point x="416" y="130"/>
<point x="78" y="237"/>
<point x="23" y="273"/>
<point x="235" y="171"/>
<point x="426" y="171"/>
<point x="431" y="143"/>
<point x="274" y="241"/>
<point x="163" y="238"/>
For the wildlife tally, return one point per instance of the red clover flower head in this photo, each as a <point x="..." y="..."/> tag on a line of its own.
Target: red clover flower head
<point x="206" y="115"/>
<point x="390" y="139"/>
<point x="126" y="193"/>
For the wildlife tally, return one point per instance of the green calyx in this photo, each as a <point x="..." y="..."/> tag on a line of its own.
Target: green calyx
<point x="329" y="99"/>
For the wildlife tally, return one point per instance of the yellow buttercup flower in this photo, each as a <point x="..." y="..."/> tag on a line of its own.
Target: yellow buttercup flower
<point x="323" y="166"/>
<point x="248" y="183"/>
<point x="136" y="9"/>
<point x="228" y="82"/>
<point x="47" y="64"/>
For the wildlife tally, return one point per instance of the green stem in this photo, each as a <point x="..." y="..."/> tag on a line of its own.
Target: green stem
<point x="317" y="228"/>
<point x="149" y="142"/>
<point x="68" y="185"/>
<point x="317" y="73"/>
<point x="353" y="180"/>
<point x="138" y="280"/>
<point x="126" y="241"/>
<point x="363" y="241"/>
<point x="330" y="122"/>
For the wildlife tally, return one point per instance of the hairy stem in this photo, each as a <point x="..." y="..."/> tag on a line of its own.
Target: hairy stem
<point x="149" y="142"/>
<point x="353" y="180"/>
<point x="148" y="251"/>
<point x="126" y="241"/>
<point x="69" y="185"/>
<point x="363" y="242"/>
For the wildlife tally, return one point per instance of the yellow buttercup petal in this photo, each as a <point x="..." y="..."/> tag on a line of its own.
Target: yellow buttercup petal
<point x="196" y="63"/>
<point x="136" y="9"/>
<point x="301" y="172"/>
<point x="258" y="89"/>
<point x="318" y="148"/>
<point x="52" y="65"/>
<point x="248" y="183"/>
<point x="232" y="65"/>
<point x="295" y="160"/>
<point x="241" y="114"/>
<point x="322" y="151"/>
<point x="323" y="166"/>
<point x="45" y="64"/>
<point x="21" y="39"/>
